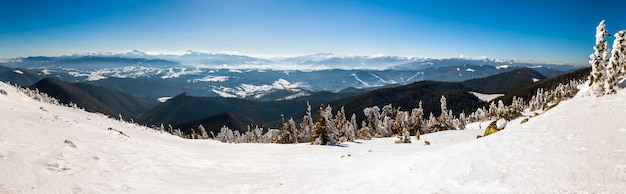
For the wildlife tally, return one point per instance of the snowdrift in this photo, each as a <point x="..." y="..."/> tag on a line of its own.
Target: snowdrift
<point x="575" y="147"/>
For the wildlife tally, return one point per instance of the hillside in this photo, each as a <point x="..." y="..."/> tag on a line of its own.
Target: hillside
<point x="527" y="91"/>
<point x="18" y="76"/>
<point x="185" y="108"/>
<point x="408" y="97"/>
<point x="559" y="151"/>
<point x="504" y="82"/>
<point x="94" y="98"/>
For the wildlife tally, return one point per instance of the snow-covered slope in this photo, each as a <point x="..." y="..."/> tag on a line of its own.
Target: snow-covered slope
<point x="577" y="146"/>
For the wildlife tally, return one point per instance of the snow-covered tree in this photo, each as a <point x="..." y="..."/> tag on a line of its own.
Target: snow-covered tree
<point x="364" y="132"/>
<point x="598" y="60"/>
<point x="304" y="132"/>
<point x="287" y="134"/>
<point x="416" y="119"/>
<point x="615" y="67"/>
<point x="401" y="123"/>
<point x="444" y="121"/>
<point x="461" y="121"/>
<point x="372" y="116"/>
<point x="351" y="133"/>
<point x="202" y="134"/>
<point x="225" y="135"/>
<point x="385" y="129"/>
<point x="323" y="133"/>
<point x="270" y="137"/>
<point x="341" y="124"/>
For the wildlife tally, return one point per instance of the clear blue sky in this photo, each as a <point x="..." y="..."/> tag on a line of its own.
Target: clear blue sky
<point x="541" y="30"/>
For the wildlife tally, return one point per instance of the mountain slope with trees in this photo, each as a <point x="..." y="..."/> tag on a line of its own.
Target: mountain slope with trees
<point x="94" y="98"/>
<point x="504" y="82"/>
<point x="185" y="108"/>
<point x="18" y="76"/>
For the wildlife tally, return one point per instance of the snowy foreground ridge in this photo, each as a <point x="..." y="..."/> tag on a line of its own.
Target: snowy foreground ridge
<point x="578" y="146"/>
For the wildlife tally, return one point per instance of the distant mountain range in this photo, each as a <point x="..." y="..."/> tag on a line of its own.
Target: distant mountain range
<point x="147" y="75"/>
<point x="236" y="98"/>
<point x="182" y="109"/>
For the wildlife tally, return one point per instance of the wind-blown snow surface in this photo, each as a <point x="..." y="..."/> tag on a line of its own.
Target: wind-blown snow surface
<point x="577" y="146"/>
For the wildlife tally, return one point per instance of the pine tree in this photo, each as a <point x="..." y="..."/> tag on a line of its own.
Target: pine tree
<point x="202" y="134"/>
<point x="615" y="66"/>
<point x="287" y="134"/>
<point x="598" y="60"/>
<point x="372" y="115"/>
<point x="416" y="120"/>
<point x="364" y="132"/>
<point x="462" y="121"/>
<point x="323" y="134"/>
<point x="444" y="121"/>
<point x="401" y="122"/>
<point x="225" y="135"/>
<point x="341" y="124"/>
<point x="351" y="131"/>
<point x="306" y="127"/>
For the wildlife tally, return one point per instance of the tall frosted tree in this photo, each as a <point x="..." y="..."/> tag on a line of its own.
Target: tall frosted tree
<point x="444" y="121"/>
<point x="416" y="120"/>
<point x="615" y="66"/>
<point x="323" y="132"/>
<point x="372" y="115"/>
<point x="202" y="134"/>
<point x="287" y="134"/>
<point x="599" y="60"/>
<point x="307" y="125"/>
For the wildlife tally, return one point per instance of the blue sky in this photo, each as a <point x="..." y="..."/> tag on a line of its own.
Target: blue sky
<point x="539" y="30"/>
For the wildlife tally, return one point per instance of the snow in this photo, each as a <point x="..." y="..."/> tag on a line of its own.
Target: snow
<point x="172" y="73"/>
<point x="45" y="71"/>
<point x="164" y="99"/>
<point x="486" y="97"/>
<point x="359" y="80"/>
<point x="211" y="78"/>
<point x="244" y="90"/>
<point x="535" y="79"/>
<point x="18" y="71"/>
<point x="576" y="147"/>
<point x="383" y="80"/>
<point x="502" y="67"/>
<point x="501" y="124"/>
<point x="224" y="94"/>
<point x="296" y="95"/>
<point x="470" y="70"/>
<point x="416" y="74"/>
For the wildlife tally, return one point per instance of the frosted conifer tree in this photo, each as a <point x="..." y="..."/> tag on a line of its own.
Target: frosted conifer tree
<point x="598" y="61"/>
<point x="287" y="134"/>
<point x="501" y="111"/>
<point x="323" y="134"/>
<point x="351" y="132"/>
<point x="402" y="124"/>
<point x="372" y="115"/>
<point x="416" y="120"/>
<point x="225" y="135"/>
<point x="364" y="132"/>
<point x="304" y="134"/>
<point x="615" y="66"/>
<point x="341" y="124"/>
<point x="444" y="121"/>
<point x="202" y="134"/>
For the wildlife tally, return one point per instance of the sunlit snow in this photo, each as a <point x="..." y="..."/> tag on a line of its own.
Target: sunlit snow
<point x="576" y="147"/>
